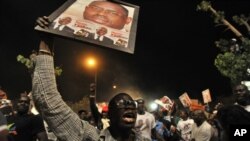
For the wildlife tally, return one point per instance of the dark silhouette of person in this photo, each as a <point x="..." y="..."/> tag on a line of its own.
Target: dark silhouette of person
<point x="242" y="96"/>
<point x="232" y="115"/>
<point x="24" y="125"/>
<point x="107" y="13"/>
<point x="65" y="123"/>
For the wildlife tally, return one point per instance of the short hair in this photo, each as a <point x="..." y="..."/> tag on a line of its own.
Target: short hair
<point x="186" y="112"/>
<point x="242" y="85"/>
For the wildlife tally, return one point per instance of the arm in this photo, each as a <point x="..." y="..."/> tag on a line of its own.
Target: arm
<point x="94" y="110"/>
<point x="62" y="120"/>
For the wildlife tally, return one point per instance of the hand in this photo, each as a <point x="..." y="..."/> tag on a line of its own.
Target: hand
<point x="92" y="88"/>
<point x="46" y="41"/>
<point x="43" y="21"/>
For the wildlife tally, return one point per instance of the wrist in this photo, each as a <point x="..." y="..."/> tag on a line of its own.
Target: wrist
<point x="45" y="52"/>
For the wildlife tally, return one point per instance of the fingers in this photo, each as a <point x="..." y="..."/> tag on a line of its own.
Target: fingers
<point x="92" y="87"/>
<point x="43" y="22"/>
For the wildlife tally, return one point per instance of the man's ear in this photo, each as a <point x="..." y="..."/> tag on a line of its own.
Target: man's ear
<point x="128" y="20"/>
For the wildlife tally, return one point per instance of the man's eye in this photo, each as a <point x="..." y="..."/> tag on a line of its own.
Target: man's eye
<point x="112" y="12"/>
<point x="96" y="8"/>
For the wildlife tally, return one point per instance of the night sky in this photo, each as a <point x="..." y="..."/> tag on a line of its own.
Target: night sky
<point x="174" y="51"/>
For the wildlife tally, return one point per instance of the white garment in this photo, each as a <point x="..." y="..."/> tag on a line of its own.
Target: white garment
<point x="185" y="127"/>
<point x="247" y="108"/>
<point x="105" y="123"/>
<point x="100" y="37"/>
<point x="144" y="124"/>
<point x="60" y="27"/>
<point x="203" y="132"/>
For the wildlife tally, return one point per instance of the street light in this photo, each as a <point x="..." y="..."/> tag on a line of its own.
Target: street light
<point x="91" y="62"/>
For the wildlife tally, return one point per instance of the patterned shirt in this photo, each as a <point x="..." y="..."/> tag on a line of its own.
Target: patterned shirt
<point x="3" y="122"/>
<point x="64" y="122"/>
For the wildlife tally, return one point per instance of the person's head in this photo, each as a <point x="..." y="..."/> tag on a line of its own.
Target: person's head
<point x="3" y="94"/>
<point x="105" y="111"/>
<point x="65" y="20"/>
<point x="104" y="114"/>
<point x="140" y="106"/>
<point x="107" y="13"/>
<point x="83" y="114"/>
<point x="122" y="112"/>
<point x="184" y="114"/>
<point x="23" y="105"/>
<point x="241" y="94"/>
<point x="198" y="117"/>
<point x="102" y="31"/>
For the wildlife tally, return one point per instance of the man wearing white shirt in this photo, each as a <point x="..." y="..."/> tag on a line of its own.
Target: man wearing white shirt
<point x="201" y="130"/>
<point x="185" y="125"/>
<point x="145" y="121"/>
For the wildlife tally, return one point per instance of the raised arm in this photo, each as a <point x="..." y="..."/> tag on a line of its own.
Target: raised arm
<point x="94" y="110"/>
<point x="65" y="123"/>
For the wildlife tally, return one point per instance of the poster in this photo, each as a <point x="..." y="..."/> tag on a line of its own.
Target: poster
<point x="206" y="96"/>
<point x="185" y="100"/>
<point x="100" y="22"/>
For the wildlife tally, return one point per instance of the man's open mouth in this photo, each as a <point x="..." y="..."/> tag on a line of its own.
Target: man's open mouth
<point x="100" y="19"/>
<point x="129" y="117"/>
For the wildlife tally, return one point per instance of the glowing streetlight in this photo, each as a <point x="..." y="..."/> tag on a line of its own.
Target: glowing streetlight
<point x="91" y="62"/>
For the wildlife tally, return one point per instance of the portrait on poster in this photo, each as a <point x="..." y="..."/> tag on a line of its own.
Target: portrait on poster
<point x="185" y="100"/>
<point x="105" y="23"/>
<point x="206" y="95"/>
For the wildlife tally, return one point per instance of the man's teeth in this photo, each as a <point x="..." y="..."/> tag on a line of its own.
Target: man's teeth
<point x="127" y="119"/>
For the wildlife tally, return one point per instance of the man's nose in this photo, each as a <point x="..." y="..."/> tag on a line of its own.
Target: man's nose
<point x="103" y="12"/>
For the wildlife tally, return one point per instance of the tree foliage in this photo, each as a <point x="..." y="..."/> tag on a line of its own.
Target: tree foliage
<point x="30" y="62"/>
<point x="234" y="59"/>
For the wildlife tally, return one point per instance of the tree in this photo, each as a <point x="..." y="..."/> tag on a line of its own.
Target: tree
<point x="234" y="59"/>
<point x="29" y="63"/>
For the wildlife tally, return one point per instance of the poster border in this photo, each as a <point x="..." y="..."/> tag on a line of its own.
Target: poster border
<point x="132" y="34"/>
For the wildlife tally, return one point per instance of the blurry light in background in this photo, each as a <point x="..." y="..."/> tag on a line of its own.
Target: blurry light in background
<point x="91" y="62"/>
<point x="153" y="106"/>
<point x="114" y="87"/>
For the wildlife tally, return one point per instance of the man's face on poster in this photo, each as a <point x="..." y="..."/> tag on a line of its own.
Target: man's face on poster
<point x="102" y="31"/>
<point x="64" y="20"/>
<point x="107" y="13"/>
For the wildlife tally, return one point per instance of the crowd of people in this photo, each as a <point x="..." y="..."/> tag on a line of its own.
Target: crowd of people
<point x="125" y="119"/>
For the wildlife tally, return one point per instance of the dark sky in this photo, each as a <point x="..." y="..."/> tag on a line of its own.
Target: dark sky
<point x="174" y="51"/>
